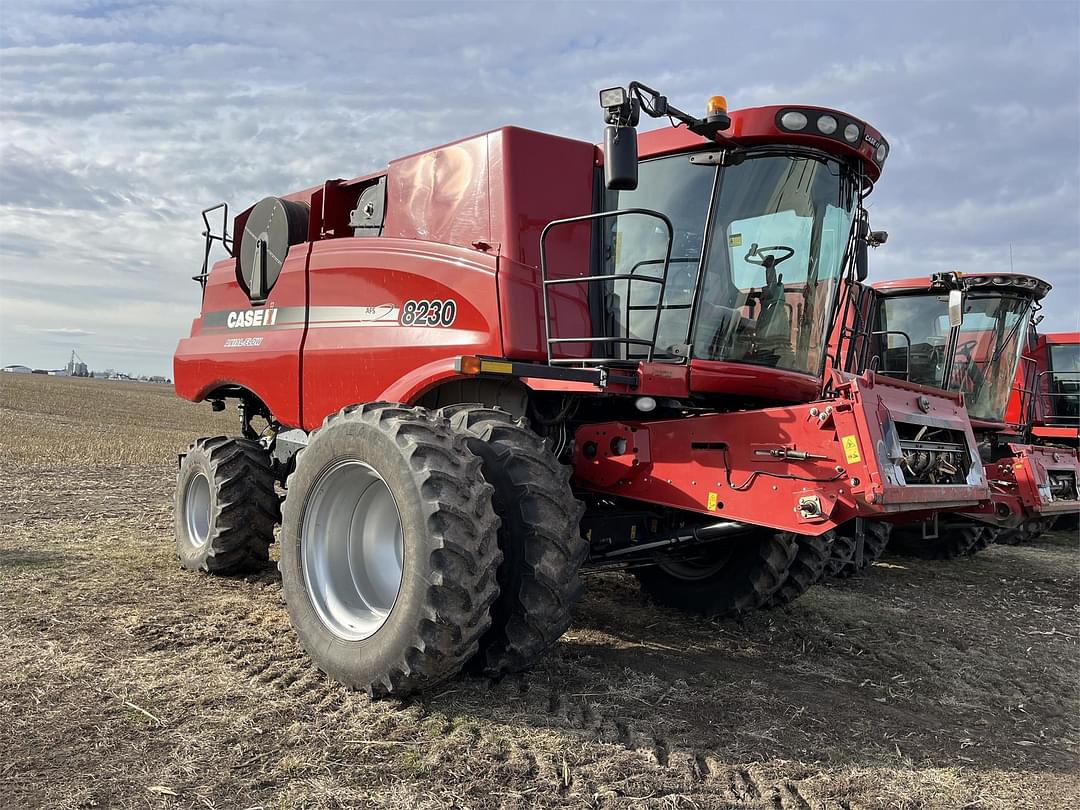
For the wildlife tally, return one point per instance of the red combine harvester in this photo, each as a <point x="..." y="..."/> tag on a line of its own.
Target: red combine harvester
<point x="1046" y="399"/>
<point x="966" y="333"/>
<point x="498" y="361"/>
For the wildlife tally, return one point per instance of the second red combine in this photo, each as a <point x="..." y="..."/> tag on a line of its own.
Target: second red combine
<point x="498" y="362"/>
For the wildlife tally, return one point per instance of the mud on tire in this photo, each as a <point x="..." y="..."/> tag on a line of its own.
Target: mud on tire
<point x="226" y="506"/>
<point x="539" y="535"/>
<point x="425" y="631"/>
<point x="807" y="566"/>
<point x="726" y="578"/>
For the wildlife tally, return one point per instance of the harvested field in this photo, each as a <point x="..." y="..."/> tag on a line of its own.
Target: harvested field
<point x="128" y="682"/>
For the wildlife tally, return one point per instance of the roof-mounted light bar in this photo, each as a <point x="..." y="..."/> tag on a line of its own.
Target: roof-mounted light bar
<point x="836" y="126"/>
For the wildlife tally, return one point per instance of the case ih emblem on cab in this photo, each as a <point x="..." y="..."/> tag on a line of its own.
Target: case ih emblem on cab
<point x="251" y="317"/>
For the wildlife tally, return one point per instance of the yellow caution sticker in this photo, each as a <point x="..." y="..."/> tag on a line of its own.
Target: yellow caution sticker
<point x="851" y="449"/>
<point x="711" y="503"/>
<point x="735" y="240"/>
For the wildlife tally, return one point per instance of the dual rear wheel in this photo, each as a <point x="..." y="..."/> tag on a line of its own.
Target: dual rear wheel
<point x="415" y="543"/>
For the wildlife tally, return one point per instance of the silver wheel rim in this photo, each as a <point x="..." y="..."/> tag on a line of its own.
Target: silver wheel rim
<point x="197" y="510"/>
<point x="352" y="550"/>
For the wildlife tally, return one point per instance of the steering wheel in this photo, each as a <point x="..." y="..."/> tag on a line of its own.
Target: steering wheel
<point x="777" y="253"/>
<point x="970" y="374"/>
<point x="967" y="349"/>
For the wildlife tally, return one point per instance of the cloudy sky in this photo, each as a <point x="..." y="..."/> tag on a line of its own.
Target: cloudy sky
<point x="121" y="121"/>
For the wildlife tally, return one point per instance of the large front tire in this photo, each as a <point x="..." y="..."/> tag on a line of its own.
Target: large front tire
<point x="727" y="577"/>
<point x="226" y="506"/>
<point x="388" y="549"/>
<point x="539" y="535"/>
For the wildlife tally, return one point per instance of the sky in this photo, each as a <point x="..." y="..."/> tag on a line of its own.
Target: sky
<point x="121" y="121"/>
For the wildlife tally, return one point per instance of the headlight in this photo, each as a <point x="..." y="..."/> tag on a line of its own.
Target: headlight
<point x="826" y="125"/>
<point x="793" y="120"/>
<point x="851" y="133"/>
<point x="881" y="153"/>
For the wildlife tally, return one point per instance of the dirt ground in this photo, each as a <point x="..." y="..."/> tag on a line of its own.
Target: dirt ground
<point x="127" y="682"/>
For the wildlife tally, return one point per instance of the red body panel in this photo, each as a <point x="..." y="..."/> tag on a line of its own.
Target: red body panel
<point x="718" y="464"/>
<point x="462" y="223"/>
<point x="265" y="361"/>
<point x="357" y="350"/>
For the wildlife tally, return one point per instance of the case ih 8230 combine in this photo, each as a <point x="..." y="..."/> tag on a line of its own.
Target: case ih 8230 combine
<point x="967" y="333"/>
<point x="502" y="360"/>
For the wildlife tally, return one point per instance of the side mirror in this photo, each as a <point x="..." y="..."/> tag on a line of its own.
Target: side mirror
<point x="956" y="308"/>
<point x="862" y="261"/>
<point x="620" y="158"/>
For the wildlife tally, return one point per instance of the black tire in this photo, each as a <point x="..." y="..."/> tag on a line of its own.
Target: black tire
<point x="1013" y="537"/>
<point x="727" y="578"/>
<point x="876" y="536"/>
<point x="539" y="535"/>
<point x="987" y="537"/>
<point x="806" y="569"/>
<point x="232" y="533"/>
<point x="842" y="561"/>
<point x="449" y="550"/>
<point x="1066" y="523"/>
<point x="953" y="541"/>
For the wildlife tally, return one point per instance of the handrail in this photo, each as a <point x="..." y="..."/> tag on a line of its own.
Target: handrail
<point x="589" y="279"/>
<point x="1053" y="417"/>
<point x="907" y="355"/>
<point x="210" y="237"/>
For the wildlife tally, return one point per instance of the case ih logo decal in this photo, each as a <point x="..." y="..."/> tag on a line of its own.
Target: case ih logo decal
<point x="424" y="313"/>
<point x="251" y="317"/>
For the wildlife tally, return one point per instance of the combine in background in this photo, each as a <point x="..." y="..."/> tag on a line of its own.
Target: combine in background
<point x="966" y="333"/>
<point x="1046" y="399"/>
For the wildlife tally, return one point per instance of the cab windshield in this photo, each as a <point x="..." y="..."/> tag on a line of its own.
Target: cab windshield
<point x="756" y="260"/>
<point x="915" y="343"/>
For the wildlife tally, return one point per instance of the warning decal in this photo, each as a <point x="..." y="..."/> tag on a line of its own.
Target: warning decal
<point x="851" y="449"/>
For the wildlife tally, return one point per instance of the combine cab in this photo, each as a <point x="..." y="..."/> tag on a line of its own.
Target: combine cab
<point x="966" y="333"/>
<point x="506" y="360"/>
<point x="1049" y="399"/>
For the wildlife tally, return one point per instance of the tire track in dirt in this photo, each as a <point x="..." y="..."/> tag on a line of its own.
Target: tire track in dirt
<point x="273" y="660"/>
<point x="671" y="757"/>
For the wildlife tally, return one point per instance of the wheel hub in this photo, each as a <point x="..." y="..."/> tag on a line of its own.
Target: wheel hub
<point x="197" y="510"/>
<point x="352" y="550"/>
